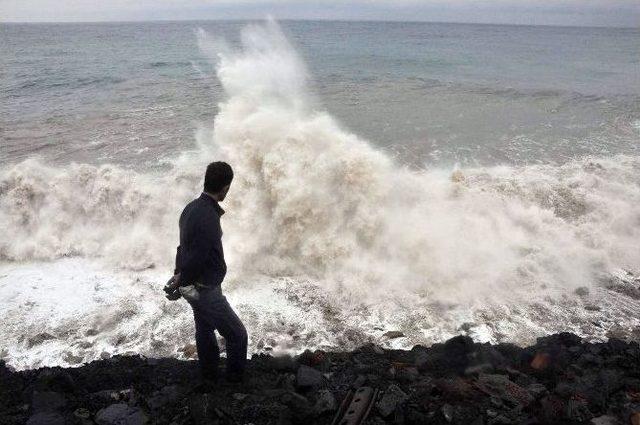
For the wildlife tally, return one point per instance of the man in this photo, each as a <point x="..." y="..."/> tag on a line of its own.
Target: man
<point x="200" y="269"/>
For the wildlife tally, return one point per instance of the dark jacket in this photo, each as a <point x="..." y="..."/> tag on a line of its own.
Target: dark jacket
<point x="199" y="257"/>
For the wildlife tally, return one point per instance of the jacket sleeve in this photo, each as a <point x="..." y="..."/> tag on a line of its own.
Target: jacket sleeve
<point x="203" y="241"/>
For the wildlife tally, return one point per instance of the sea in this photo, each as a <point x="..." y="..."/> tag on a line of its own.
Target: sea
<point x="434" y="179"/>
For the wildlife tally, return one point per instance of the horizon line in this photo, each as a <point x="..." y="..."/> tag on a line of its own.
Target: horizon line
<point x="312" y="20"/>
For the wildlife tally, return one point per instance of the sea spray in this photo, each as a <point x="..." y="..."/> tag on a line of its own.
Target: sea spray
<point x="311" y="199"/>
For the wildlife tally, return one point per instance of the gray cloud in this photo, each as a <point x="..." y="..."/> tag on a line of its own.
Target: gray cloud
<point x="535" y="12"/>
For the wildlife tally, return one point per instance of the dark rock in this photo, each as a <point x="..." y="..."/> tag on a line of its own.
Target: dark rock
<point x="283" y="364"/>
<point x="578" y="410"/>
<point x="190" y="351"/>
<point x="46" y="418"/>
<point x="360" y="381"/>
<point x="82" y="413"/>
<point x="55" y="380"/>
<point x="47" y="401"/>
<point x="121" y="414"/>
<point x="393" y="334"/>
<point x="604" y="420"/>
<point x="299" y="407"/>
<point x="392" y="398"/>
<point x="565" y="339"/>
<point x="71" y="358"/>
<point x="407" y="374"/>
<point x="552" y="408"/>
<point x="167" y="396"/>
<point x="459" y="345"/>
<point x="457" y="382"/>
<point x="582" y="291"/>
<point x="422" y="361"/>
<point x="447" y="412"/>
<point x="479" y="368"/>
<point x="458" y="389"/>
<point x="39" y="339"/>
<point x="325" y="402"/>
<point x="204" y="410"/>
<point x="501" y="386"/>
<point x="308" y="377"/>
<point x="537" y="390"/>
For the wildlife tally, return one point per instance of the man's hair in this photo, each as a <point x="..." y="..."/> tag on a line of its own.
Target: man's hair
<point x="218" y="175"/>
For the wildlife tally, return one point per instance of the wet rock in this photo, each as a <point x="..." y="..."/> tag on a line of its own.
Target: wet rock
<point x="299" y="407"/>
<point x="564" y="339"/>
<point x="190" y="351"/>
<point x="360" y="381"/>
<point x="551" y="408"/>
<point x="406" y="374"/>
<point x="540" y="361"/>
<point x="121" y="414"/>
<point x="447" y="412"/>
<point x="392" y="398"/>
<point x="457" y="389"/>
<point x="501" y="386"/>
<point x="308" y="377"/>
<point x="422" y="361"/>
<point x="393" y="334"/>
<point x="457" y="382"/>
<point x="604" y="420"/>
<point x="537" y="390"/>
<point x="55" y="380"/>
<point x="203" y="410"/>
<point x="479" y="368"/>
<point x="82" y="413"/>
<point x="167" y="396"/>
<point x="71" y="358"/>
<point x="283" y="363"/>
<point x="325" y="402"/>
<point x="578" y="410"/>
<point x="39" y="339"/>
<point x="47" y="401"/>
<point x="46" y="418"/>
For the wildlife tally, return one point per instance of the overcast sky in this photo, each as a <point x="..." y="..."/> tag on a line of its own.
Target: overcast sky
<point x="537" y="12"/>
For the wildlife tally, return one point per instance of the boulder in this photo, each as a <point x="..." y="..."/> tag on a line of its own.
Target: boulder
<point x="325" y="402"/>
<point x="500" y="386"/>
<point x="46" y="418"/>
<point x="604" y="420"/>
<point x="392" y="398"/>
<point x="308" y="377"/>
<point x="47" y="401"/>
<point x="121" y="414"/>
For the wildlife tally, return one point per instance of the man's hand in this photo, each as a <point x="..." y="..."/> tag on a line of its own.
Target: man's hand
<point x="171" y="288"/>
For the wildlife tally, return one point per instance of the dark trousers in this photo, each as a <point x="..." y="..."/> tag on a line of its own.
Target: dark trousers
<point x="212" y="312"/>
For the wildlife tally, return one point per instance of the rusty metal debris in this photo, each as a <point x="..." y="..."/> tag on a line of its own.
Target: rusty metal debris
<point x="356" y="406"/>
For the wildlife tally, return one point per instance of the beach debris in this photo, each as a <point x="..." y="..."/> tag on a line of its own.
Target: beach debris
<point x="356" y="406"/>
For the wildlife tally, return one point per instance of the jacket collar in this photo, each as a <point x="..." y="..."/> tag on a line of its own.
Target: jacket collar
<point x="209" y="198"/>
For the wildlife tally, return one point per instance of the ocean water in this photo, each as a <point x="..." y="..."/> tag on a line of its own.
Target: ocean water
<point x="430" y="178"/>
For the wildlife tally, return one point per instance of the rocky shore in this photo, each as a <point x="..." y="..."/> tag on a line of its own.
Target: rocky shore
<point x="560" y="379"/>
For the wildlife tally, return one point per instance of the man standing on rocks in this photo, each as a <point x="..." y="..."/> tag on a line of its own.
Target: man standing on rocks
<point x="200" y="269"/>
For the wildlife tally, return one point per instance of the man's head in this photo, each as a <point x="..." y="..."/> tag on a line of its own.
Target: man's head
<point x="217" y="179"/>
